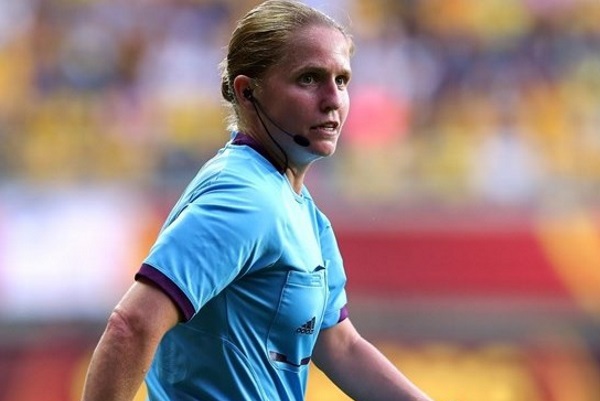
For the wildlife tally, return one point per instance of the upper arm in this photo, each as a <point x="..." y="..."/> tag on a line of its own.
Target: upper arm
<point x="333" y="343"/>
<point x="146" y="311"/>
<point x="127" y="346"/>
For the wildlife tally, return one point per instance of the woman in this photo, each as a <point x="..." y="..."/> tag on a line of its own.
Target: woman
<point x="244" y="286"/>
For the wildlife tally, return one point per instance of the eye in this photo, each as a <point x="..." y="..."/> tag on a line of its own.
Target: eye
<point x="341" y="80"/>
<point x="307" y="79"/>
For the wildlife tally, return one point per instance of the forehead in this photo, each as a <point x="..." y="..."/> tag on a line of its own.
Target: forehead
<point x="321" y="46"/>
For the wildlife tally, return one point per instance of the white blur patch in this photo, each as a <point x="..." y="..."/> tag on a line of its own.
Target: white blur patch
<point x="65" y="254"/>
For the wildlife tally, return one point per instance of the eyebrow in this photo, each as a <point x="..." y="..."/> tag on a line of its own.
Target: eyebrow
<point x="320" y="70"/>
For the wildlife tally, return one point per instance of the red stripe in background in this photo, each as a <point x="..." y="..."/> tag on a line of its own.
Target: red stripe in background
<point x="449" y="263"/>
<point x="43" y="369"/>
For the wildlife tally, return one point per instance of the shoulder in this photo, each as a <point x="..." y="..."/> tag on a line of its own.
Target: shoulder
<point x="238" y="187"/>
<point x="237" y="173"/>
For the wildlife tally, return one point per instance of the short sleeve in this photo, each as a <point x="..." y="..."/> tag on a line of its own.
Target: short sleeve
<point x="210" y="243"/>
<point x="336" y="278"/>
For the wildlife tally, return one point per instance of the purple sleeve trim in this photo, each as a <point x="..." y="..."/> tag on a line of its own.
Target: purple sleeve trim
<point x="168" y="287"/>
<point x="343" y="313"/>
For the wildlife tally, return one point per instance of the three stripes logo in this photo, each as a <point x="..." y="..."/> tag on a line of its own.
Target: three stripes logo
<point x="307" y="328"/>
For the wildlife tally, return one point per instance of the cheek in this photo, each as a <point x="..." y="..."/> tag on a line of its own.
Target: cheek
<point x="345" y="108"/>
<point x="344" y="111"/>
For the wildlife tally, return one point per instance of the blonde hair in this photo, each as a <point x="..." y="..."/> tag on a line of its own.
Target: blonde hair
<point x="260" y="41"/>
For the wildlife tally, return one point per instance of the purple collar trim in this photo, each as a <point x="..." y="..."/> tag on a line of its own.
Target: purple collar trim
<point x="243" y="139"/>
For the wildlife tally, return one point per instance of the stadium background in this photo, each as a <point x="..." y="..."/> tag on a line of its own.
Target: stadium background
<point x="465" y="191"/>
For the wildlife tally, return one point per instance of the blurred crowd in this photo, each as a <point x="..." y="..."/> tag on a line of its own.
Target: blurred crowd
<point x="454" y="102"/>
<point x="489" y="106"/>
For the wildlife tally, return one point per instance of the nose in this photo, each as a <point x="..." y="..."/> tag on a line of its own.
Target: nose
<point x="332" y="97"/>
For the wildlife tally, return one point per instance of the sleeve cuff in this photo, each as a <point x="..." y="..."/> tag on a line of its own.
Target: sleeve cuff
<point x="163" y="282"/>
<point x="343" y="313"/>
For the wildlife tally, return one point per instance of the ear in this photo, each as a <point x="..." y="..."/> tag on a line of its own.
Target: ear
<point x="241" y="85"/>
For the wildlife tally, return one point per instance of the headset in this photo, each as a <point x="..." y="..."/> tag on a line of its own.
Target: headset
<point x="298" y="139"/>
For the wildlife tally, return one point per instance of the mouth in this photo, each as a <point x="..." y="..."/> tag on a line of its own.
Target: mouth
<point x="327" y="127"/>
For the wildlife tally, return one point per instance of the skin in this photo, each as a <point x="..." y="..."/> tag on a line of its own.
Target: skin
<point x="308" y="88"/>
<point x="306" y="94"/>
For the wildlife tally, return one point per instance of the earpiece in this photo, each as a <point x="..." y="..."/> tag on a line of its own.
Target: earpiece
<point x="248" y="94"/>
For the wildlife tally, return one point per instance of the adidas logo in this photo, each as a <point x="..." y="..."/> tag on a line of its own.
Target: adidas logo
<point x="307" y="328"/>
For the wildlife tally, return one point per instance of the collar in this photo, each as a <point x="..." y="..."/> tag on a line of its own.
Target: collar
<point x="244" y="139"/>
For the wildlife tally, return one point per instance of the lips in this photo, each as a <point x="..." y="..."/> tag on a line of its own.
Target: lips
<point x="328" y="126"/>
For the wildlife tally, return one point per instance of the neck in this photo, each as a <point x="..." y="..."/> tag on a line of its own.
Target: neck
<point x="296" y="178"/>
<point x="242" y="138"/>
<point x="293" y="173"/>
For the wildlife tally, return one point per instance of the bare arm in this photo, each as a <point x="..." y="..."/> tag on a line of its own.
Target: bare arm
<point x="359" y="369"/>
<point x="125" y="350"/>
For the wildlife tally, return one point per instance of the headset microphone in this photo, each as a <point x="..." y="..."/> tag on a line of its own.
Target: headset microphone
<point x="298" y="139"/>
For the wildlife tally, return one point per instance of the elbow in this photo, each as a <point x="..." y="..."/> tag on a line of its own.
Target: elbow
<point x="125" y="327"/>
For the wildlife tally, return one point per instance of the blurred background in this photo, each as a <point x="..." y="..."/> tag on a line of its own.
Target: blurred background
<point x="465" y="191"/>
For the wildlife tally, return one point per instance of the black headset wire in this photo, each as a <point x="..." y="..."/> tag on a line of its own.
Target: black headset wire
<point x="256" y="108"/>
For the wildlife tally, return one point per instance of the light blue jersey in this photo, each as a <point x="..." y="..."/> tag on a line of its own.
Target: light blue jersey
<point x="256" y="271"/>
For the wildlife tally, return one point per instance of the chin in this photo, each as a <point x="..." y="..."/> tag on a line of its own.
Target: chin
<point x="325" y="151"/>
<point x="326" y="147"/>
